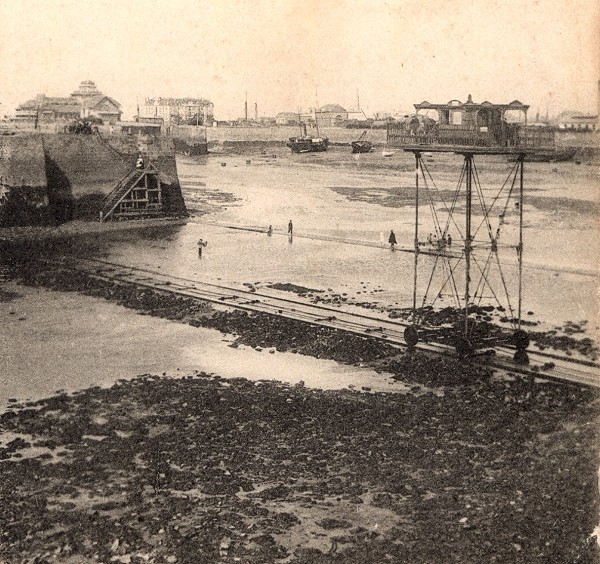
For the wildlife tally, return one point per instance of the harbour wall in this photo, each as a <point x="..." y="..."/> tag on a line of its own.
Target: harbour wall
<point x="274" y="135"/>
<point x="242" y="139"/>
<point x="23" y="184"/>
<point x="54" y="178"/>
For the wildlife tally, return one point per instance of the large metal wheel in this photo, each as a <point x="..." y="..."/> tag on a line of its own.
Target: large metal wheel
<point x="521" y="357"/>
<point x="411" y="336"/>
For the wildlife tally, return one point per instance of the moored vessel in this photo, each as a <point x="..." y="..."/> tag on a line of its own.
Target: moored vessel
<point x="306" y="143"/>
<point x="361" y="145"/>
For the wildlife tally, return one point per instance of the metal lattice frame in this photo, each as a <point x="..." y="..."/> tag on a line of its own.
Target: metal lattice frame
<point x="468" y="187"/>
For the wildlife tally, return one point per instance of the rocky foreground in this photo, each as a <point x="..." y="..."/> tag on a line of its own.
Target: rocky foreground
<point x="467" y="467"/>
<point x="206" y="470"/>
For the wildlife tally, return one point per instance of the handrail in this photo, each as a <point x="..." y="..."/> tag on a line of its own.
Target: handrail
<point x="119" y="184"/>
<point x="116" y="196"/>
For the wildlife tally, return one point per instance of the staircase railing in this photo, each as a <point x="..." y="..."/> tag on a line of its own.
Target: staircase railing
<point x="112" y="200"/>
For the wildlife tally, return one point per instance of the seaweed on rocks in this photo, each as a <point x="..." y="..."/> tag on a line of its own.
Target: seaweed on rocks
<point x="200" y="469"/>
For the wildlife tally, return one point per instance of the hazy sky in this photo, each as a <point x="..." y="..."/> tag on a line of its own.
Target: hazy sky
<point x="291" y="53"/>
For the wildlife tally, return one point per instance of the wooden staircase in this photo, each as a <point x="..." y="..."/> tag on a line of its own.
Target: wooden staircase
<point x="137" y="194"/>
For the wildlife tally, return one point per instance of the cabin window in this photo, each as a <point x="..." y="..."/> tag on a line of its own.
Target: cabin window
<point x="456" y="118"/>
<point x="515" y="116"/>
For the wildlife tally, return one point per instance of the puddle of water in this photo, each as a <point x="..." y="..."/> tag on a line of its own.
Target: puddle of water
<point x="61" y="341"/>
<point x="283" y="366"/>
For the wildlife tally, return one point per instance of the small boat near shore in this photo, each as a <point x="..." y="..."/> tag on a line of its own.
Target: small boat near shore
<point x="306" y="143"/>
<point x="361" y="145"/>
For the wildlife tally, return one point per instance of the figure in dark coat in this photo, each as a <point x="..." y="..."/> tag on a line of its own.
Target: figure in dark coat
<point x="201" y="244"/>
<point x="392" y="240"/>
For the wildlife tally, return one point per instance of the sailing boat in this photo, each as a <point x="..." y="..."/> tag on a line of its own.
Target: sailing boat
<point x="361" y="145"/>
<point x="306" y="143"/>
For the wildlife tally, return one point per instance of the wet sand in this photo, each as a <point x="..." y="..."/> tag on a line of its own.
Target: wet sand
<point x="76" y="341"/>
<point x="205" y="469"/>
<point x="462" y="465"/>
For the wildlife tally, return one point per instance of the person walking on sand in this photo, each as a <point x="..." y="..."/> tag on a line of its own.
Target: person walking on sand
<point x="290" y="228"/>
<point x="201" y="244"/>
<point x="392" y="240"/>
<point x="270" y="230"/>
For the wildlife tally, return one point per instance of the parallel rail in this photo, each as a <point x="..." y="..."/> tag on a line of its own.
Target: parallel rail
<point x="565" y="368"/>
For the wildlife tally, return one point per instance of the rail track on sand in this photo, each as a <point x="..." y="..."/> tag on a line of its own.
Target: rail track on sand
<point x="547" y="365"/>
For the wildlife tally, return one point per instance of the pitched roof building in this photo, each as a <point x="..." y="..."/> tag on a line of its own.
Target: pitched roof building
<point x="331" y="115"/>
<point x="287" y="118"/>
<point x="85" y="102"/>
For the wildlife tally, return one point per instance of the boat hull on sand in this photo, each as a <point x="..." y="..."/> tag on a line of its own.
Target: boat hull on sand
<point x="308" y="144"/>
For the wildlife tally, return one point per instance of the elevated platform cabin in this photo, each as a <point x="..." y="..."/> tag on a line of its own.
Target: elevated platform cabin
<point x="495" y="127"/>
<point x="464" y="259"/>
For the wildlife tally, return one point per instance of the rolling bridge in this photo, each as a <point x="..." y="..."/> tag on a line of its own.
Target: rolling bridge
<point x="466" y="256"/>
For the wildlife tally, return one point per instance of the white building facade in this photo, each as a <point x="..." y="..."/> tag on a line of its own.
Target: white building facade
<point x="179" y="110"/>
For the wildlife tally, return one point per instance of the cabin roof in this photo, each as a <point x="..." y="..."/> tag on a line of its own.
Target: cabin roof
<point x="470" y="105"/>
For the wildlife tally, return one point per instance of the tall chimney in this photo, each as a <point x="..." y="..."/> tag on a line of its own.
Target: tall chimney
<point x="255" y="111"/>
<point x="246" y="107"/>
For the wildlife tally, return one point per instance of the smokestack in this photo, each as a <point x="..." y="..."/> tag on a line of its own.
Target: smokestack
<point x="598" y="126"/>
<point x="255" y="111"/>
<point x="246" y="107"/>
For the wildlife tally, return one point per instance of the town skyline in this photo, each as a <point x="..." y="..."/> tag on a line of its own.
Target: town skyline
<point x="293" y="55"/>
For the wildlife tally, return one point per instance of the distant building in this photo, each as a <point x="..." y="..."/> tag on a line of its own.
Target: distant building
<point x="575" y="121"/>
<point x="48" y="109"/>
<point x="287" y="118"/>
<point x="143" y="119"/>
<point x="96" y="104"/>
<point x="179" y="110"/>
<point x="86" y="101"/>
<point x="140" y="127"/>
<point x="331" y="115"/>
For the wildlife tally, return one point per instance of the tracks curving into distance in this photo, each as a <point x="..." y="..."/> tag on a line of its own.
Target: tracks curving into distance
<point x="563" y="367"/>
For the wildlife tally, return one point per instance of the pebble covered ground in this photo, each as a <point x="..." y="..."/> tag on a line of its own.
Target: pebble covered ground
<point x="467" y="467"/>
<point x="205" y="470"/>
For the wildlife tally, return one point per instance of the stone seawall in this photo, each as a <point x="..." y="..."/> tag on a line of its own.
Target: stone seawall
<point x="23" y="186"/>
<point x="274" y="135"/>
<point x="53" y="178"/>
